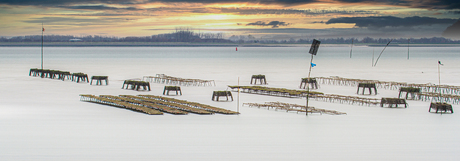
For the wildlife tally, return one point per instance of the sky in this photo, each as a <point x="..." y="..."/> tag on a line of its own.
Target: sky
<point x="263" y="19"/>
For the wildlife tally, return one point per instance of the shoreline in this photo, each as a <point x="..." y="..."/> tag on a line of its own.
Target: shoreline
<point x="186" y="44"/>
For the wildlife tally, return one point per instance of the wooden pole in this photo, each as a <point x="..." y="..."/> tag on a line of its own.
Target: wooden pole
<point x="382" y="52"/>
<point x="439" y="73"/>
<point x="373" y="49"/>
<point x="351" y="50"/>
<point x="408" y="40"/>
<point x="439" y="79"/>
<point x="308" y="85"/>
<point x="238" y="98"/>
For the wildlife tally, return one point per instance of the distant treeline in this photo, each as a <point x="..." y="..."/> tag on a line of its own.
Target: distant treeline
<point x="186" y="35"/>
<point x="366" y="40"/>
<point x="180" y="35"/>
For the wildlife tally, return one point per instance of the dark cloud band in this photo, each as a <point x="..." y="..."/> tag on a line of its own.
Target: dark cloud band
<point x="390" y="21"/>
<point x="273" y="24"/>
<point x="430" y="4"/>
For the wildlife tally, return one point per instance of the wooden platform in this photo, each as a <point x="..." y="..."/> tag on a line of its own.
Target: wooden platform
<point x="393" y="102"/>
<point x="293" y="107"/>
<point x="217" y="94"/>
<point x="151" y="104"/>
<point x="442" y="107"/>
<point x="260" y="78"/>
<point x="428" y="87"/>
<point x="280" y="92"/>
<point x="135" y="85"/>
<point x="365" y="86"/>
<point x="165" y="79"/>
<point x="311" y="82"/>
<point x="99" y="80"/>
<point x="172" y="88"/>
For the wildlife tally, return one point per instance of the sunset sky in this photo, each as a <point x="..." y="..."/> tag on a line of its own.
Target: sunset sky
<point x="261" y="18"/>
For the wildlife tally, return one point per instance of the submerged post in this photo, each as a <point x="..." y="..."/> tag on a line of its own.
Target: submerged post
<point x="313" y="50"/>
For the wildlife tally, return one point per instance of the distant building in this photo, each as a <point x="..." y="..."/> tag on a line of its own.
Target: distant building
<point x="75" y="40"/>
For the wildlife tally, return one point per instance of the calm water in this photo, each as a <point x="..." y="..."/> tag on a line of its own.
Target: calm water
<point x="43" y="119"/>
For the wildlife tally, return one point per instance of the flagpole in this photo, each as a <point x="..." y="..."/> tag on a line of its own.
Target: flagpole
<point x="42" y="46"/>
<point x="308" y="85"/>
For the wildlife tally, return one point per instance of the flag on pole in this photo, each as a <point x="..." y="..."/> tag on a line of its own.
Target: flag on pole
<point x="43" y="29"/>
<point x="439" y="62"/>
<point x="313" y="64"/>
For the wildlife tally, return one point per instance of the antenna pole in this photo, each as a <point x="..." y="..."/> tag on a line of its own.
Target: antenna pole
<point x="42" y="47"/>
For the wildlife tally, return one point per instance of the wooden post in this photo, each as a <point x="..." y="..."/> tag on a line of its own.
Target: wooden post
<point x="42" y="46"/>
<point x="373" y="49"/>
<point x="308" y="87"/>
<point x="439" y="79"/>
<point x="313" y="50"/>
<point x="238" y="98"/>
<point x="351" y="50"/>
<point x="408" y="40"/>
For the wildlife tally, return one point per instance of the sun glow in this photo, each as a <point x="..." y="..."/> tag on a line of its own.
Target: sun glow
<point x="214" y="17"/>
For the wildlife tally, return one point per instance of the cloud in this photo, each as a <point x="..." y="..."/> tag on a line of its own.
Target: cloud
<point x="428" y="4"/>
<point x="128" y="2"/>
<point x="251" y="11"/>
<point x="452" y="31"/>
<point x="76" y="21"/>
<point x="390" y="21"/>
<point x="97" y="7"/>
<point x="274" y="24"/>
<point x="454" y="12"/>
